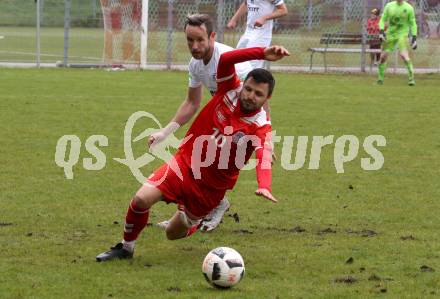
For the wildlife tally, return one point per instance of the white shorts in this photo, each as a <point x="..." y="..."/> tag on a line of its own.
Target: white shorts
<point x="250" y="40"/>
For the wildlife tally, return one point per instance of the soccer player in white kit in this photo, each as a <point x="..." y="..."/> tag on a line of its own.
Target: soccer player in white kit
<point x="202" y="67"/>
<point x="259" y="24"/>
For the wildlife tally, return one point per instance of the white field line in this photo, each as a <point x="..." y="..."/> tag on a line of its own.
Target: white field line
<point x="48" y="55"/>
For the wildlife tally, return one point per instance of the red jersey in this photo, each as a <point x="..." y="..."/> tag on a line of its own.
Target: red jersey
<point x="373" y="26"/>
<point x="222" y="138"/>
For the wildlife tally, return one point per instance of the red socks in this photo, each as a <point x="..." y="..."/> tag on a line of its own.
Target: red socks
<point x="135" y="221"/>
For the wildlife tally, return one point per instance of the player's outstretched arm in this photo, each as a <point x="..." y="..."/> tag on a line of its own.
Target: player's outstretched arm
<point x="226" y="69"/>
<point x="241" y="11"/>
<point x="190" y="106"/>
<point x="183" y="115"/>
<point x="274" y="53"/>
<point x="280" y="11"/>
<point x="226" y="76"/>
<point x="264" y="170"/>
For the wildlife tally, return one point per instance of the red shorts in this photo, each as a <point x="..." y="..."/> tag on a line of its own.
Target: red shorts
<point x="197" y="198"/>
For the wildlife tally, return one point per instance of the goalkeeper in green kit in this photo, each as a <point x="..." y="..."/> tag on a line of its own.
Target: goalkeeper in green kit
<point x="400" y="18"/>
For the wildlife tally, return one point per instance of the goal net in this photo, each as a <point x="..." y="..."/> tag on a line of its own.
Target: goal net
<point x="122" y="31"/>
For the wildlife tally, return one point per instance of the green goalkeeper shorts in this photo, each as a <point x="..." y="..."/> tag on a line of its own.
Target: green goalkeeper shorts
<point x="389" y="45"/>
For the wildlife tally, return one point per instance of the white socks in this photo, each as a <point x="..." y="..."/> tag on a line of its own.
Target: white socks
<point x="128" y="245"/>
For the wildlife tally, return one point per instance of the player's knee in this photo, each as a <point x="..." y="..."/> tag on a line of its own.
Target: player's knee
<point x="174" y="235"/>
<point x="147" y="196"/>
<point x="405" y="57"/>
<point x="171" y="236"/>
<point x="140" y="202"/>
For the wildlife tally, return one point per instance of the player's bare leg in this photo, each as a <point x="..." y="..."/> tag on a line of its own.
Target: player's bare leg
<point x="382" y="67"/>
<point x="181" y="225"/>
<point x="212" y="220"/>
<point x="135" y="221"/>
<point x="409" y="66"/>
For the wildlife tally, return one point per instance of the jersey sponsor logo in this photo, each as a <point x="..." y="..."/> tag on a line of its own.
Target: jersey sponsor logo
<point x="253" y="9"/>
<point x="395" y="20"/>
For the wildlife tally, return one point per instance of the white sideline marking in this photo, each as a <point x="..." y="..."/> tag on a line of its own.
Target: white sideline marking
<point x="48" y="55"/>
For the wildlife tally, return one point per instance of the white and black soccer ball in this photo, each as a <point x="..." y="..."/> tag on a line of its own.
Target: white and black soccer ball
<point x="223" y="267"/>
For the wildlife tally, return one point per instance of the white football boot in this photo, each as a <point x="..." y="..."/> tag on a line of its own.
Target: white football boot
<point x="213" y="219"/>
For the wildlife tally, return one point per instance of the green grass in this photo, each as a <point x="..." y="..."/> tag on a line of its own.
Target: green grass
<point x="23" y="13"/>
<point x="57" y="226"/>
<point x="17" y="25"/>
<point x="86" y="46"/>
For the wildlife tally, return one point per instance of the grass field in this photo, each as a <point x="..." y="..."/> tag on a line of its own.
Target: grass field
<point x="368" y="234"/>
<point x="86" y="46"/>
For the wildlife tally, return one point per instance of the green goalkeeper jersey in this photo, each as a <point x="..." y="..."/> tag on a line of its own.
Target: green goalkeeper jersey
<point x="400" y="19"/>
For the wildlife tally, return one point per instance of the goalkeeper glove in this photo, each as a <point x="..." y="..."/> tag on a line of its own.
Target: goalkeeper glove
<point x="414" y="42"/>
<point x="382" y="36"/>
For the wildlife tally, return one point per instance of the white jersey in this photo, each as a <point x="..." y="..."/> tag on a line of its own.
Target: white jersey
<point x="206" y="74"/>
<point x="257" y="9"/>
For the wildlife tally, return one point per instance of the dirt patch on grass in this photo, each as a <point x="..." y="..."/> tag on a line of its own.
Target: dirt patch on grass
<point x="297" y="229"/>
<point x="346" y="279"/>
<point x="362" y="233"/>
<point x="406" y="238"/>
<point x="235" y="216"/>
<point x="328" y="230"/>
<point x="425" y="268"/>
<point x="243" y="231"/>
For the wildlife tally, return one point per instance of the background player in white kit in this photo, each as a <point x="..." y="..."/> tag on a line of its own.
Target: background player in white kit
<point x="202" y="67"/>
<point x="259" y="24"/>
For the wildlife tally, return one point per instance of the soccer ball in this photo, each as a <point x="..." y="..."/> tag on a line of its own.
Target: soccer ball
<point x="223" y="267"/>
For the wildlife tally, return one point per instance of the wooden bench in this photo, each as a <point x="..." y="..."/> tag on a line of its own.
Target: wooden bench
<point x="329" y="39"/>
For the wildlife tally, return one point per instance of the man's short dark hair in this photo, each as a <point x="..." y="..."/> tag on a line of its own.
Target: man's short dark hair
<point x="199" y="20"/>
<point x="262" y="76"/>
<point x="376" y="11"/>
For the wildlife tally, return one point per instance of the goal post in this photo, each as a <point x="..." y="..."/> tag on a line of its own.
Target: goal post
<point x="144" y="34"/>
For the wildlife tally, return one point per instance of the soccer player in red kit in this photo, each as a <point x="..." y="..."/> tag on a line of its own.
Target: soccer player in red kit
<point x="220" y="141"/>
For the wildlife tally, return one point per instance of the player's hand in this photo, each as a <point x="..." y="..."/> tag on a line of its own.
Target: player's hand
<point x="162" y="134"/>
<point x="231" y="24"/>
<point x="382" y="36"/>
<point x="260" y="22"/>
<point x="274" y="53"/>
<point x="156" y="138"/>
<point x="414" y="42"/>
<point x="266" y="194"/>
